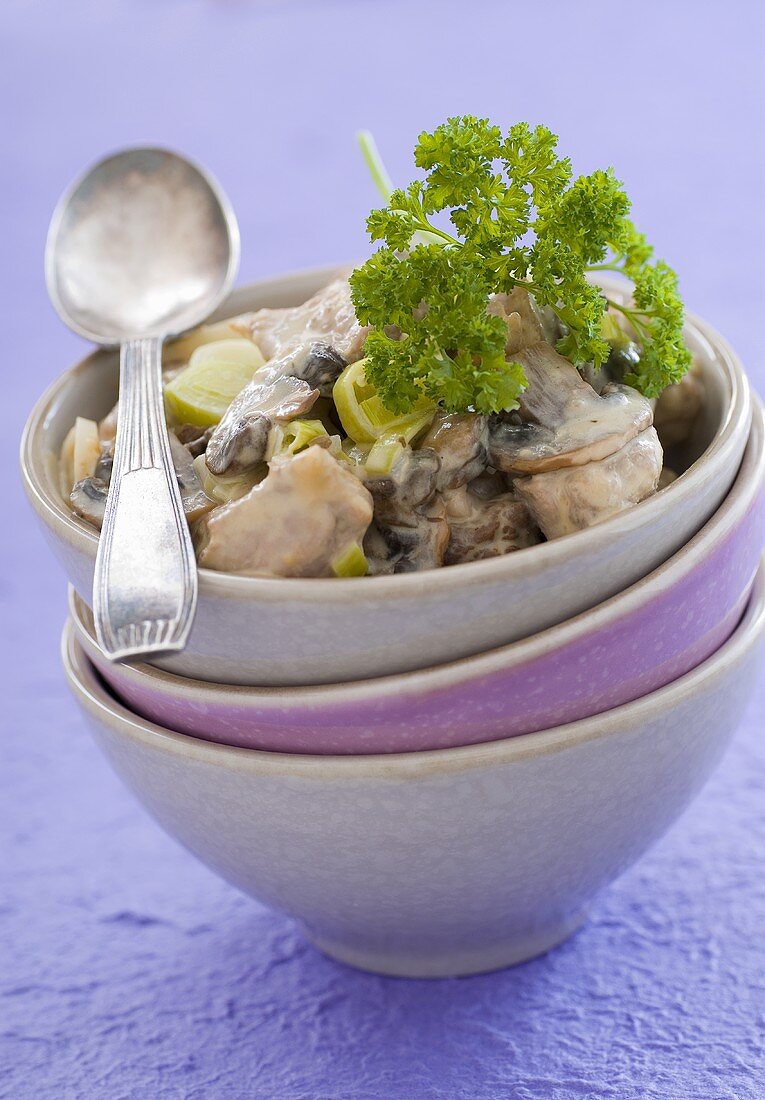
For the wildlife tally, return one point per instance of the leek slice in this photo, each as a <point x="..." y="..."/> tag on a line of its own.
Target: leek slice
<point x="87" y="449"/>
<point x="351" y="563"/>
<point x="181" y="349"/>
<point x="363" y="415"/>
<point x="383" y="455"/>
<point x="217" y="372"/>
<point x="293" y="437"/>
<point x="224" y="489"/>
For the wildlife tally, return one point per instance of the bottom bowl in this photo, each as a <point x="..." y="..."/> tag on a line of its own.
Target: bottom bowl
<point x="437" y="863"/>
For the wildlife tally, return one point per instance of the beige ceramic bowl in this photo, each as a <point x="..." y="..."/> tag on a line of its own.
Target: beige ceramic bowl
<point x="446" y="862"/>
<point x="265" y="631"/>
<point x="634" y="643"/>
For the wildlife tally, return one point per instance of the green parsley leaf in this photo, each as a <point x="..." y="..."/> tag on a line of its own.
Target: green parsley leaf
<point x="519" y="220"/>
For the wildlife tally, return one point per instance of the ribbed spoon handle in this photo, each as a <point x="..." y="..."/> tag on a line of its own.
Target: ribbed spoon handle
<point x="145" y="586"/>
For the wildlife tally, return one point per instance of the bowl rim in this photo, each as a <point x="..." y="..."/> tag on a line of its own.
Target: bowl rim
<point x="74" y="531"/>
<point x="101" y="705"/>
<point x="749" y="481"/>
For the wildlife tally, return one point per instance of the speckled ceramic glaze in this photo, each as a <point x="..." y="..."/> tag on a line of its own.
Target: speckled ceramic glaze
<point x="638" y="641"/>
<point x="438" y="863"/>
<point x="257" y="630"/>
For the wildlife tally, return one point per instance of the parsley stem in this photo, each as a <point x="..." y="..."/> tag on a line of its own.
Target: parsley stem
<point x="431" y="230"/>
<point x="374" y="163"/>
<point x="633" y="316"/>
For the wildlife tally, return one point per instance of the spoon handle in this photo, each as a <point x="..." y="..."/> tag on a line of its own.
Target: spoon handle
<point x="145" y="586"/>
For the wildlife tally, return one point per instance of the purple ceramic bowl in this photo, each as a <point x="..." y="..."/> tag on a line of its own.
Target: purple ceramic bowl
<point x="636" y="642"/>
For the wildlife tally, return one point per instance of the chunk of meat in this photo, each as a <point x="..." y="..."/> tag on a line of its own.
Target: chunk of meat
<point x="239" y="441"/>
<point x="295" y="523"/>
<point x="480" y="528"/>
<point x="327" y="317"/>
<point x="566" y="500"/>
<point x="565" y="422"/>
<point x="461" y="442"/>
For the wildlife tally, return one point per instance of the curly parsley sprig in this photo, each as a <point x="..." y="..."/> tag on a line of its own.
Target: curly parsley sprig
<point x="519" y="220"/>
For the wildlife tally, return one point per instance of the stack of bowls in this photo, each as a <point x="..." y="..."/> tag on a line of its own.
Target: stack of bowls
<point x="435" y="773"/>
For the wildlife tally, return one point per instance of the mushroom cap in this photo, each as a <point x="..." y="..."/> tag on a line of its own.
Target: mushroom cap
<point x="461" y="441"/>
<point x="320" y="365"/>
<point x="239" y="441"/>
<point x="569" y="499"/>
<point x="195" y="500"/>
<point x="410" y="484"/>
<point x="565" y="422"/>
<point x="88" y="499"/>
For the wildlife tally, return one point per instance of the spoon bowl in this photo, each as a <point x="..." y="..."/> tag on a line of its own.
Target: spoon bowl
<point x="143" y="246"/>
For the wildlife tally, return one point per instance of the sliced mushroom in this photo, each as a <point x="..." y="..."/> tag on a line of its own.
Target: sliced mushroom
<point x="320" y="366"/>
<point x="88" y="500"/>
<point x="409" y="485"/>
<point x="195" y="500"/>
<point x="380" y="561"/>
<point x="193" y="438"/>
<point x="103" y="470"/>
<point x="566" y="422"/>
<point x="481" y="528"/>
<point x="566" y="500"/>
<point x="677" y="409"/>
<point x="295" y="523"/>
<point x="88" y="496"/>
<point x="461" y="441"/>
<point x="327" y="316"/>
<point x="239" y="441"/>
<point x="490" y="484"/>
<point x="623" y="359"/>
<point x="410" y="530"/>
<point x="415" y="540"/>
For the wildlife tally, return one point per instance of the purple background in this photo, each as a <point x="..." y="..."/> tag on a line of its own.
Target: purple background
<point x="126" y="970"/>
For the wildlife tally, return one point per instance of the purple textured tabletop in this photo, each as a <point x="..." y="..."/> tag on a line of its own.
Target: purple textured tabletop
<point x="126" y="969"/>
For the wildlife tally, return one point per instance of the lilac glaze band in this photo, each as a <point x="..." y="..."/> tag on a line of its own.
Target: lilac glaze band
<point x="646" y="648"/>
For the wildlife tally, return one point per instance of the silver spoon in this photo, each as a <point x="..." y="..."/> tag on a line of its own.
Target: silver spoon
<point x="143" y="246"/>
